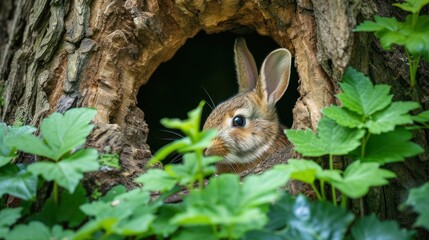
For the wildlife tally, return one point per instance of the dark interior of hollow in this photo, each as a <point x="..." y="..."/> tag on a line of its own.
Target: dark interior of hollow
<point x="204" y="62"/>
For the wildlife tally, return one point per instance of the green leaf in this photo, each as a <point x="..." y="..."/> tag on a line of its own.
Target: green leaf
<point x="156" y="180"/>
<point x="196" y="233"/>
<point x="17" y="181"/>
<point x="8" y="217"/>
<point x="188" y="172"/>
<point x="70" y="170"/>
<point x="301" y="170"/>
<point x="128" y="214"/>
<point x="66" y="212"/>
<point x="387" y="119"/>
<point x="21" y="232"/>
<point x="359" y="177"/>
<point x="231" y="206"/>
<point x="360" y="96"/>
<point x="161" y="225"/>
<point x="7" y="150"/>
<point x="413" y="6"/>
<point x="370" y="228"/>
<point x="112" y="193"/>
<point x="331" y="139"/>
<point x="61" y="134"/>
<point x="343" y="116"/>
<point x="418" y="200"/>
<point x="422" y="117"/>
<point x="412" y="34"/>
<point x="302" y="219"/>
<point x="64" y="133"/>
<point x="190" y="127"/>
<point x="391" y="147"/>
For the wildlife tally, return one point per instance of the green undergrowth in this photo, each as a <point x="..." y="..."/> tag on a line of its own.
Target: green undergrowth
<point x="367" y="131"/>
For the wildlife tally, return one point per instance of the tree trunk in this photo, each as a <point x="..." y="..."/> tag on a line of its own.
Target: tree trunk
<point x="58" y="54"/>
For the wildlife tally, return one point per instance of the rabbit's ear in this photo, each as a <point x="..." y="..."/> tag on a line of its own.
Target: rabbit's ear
<point x="275" y="74"/>
<point x="245" y="66"/>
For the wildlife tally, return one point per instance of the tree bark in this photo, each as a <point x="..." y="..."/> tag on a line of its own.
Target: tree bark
<point x="59" y="54"/>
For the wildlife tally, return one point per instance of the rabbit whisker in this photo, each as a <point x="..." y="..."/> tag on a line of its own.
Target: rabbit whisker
<point x="172" y="132"/>
<point x="212" y="106"/>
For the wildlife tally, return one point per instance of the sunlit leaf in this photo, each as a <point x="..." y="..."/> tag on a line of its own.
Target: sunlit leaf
<point x="331" y="139"/>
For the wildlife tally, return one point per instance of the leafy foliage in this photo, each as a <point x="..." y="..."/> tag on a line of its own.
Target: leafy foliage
<point x="17" y="181"/>
<point x="7" y="151"/>
<point x="371" y="228"/>
<point x="412" y="34"/>
<point x="418" y="200"/>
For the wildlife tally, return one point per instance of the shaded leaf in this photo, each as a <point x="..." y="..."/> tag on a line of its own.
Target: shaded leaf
<point x="418" y="200"/>
<point x="300" y="218"/>
<point x="370" y="228"/>
<point x="331" y="139"/>
<point x="17" y="181"/>
<point x="391" y="147"/>
<point x="156" y="180"/>
<point x="68" y="172"/>
<point x="343" y="116"/>
<point x="422" y="117"/>
<point x="387" y="119"/>
<point x="359" y="177"/>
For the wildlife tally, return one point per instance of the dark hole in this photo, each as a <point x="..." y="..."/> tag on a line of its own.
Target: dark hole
<point x="204" y="62"/>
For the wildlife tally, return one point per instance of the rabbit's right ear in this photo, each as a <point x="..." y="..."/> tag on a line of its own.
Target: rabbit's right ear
<point x="245" y="66"/>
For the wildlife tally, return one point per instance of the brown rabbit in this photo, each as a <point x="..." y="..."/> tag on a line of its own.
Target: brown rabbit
<point x="247" y="124"/>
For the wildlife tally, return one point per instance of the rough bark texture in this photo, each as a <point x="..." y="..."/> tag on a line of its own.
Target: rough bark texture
<point x="58" y="54"/>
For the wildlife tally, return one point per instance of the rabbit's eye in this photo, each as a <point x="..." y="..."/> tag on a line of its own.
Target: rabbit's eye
<point x="238" y="121"/>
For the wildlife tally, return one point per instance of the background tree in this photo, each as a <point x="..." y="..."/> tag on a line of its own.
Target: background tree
<point x="59" y="54"/>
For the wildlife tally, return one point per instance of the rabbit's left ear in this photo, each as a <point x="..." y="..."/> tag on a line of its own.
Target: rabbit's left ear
<point x="274" y="77"/>
<point x="245" y="66"/>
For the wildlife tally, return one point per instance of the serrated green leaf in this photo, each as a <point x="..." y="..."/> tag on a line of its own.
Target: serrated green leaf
<point x="230" y="205"/>
<point x="196" y="233"/>
<point x="370" y="228"/>
<point x="112" y="193"/>
<point x="391" y="147"/>
<point x="302" y="219"/>
<point x="343" y="116"/>
<point x="412" y="34"/>
<point x="413" y="6"/>
<point x="9" y="216"/>
<point x="128" y="214"/>
<point x="361" y="96"/>
<point x="68" y="172"/>
<point x="5" y="160"/>
<point x="66" y="212"/>
<point x="7" y="150"/>
<point x="331" y="139"/>
<point x="387" y="119"/>
<point x="32" y="144"/>
<point x="418" y="200"/>
<point x="301" y="170"/>
<point x="161" y="226"/>
<point x="63" y="133"/>
<point x="422" y="117"/>
<point x="359" y="177"/>
<point x="17" y="181"/>
<point x="189" y="126"/>
<point x="169" y="148"/>
<point x="21" y="232"/>
<point x="156" y="180"/>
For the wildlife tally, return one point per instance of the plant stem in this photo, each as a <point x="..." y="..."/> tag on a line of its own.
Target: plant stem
<point x="319" y="197"/>
<point x="334" y="193"/>
<point x="363" y="144"/>
<point x="343" y="201"/>
<point x="199" y="155"/>
<point x="362" y="211"/>
<point x="322" y="187"/>
<point x="55" y="192"/>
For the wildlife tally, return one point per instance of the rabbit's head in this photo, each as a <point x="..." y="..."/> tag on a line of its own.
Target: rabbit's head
<point x="247" y="124"/>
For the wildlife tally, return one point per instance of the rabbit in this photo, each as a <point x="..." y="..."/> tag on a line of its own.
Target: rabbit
<point x="248" y="129"/>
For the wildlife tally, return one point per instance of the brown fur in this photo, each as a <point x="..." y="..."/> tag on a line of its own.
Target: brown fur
<point x="243" y="147"/>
